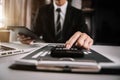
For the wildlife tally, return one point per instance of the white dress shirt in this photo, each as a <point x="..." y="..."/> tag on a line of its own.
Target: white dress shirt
<point x="62" y="14"/>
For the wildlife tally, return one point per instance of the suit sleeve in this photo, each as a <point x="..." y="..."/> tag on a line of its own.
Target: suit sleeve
<point x="37" y="23"/>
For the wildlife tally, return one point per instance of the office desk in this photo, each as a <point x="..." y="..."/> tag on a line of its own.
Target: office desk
<point x="9" y="74"/>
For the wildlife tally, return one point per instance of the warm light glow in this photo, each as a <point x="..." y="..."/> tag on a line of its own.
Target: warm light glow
<point x="1" y="15"/>
<point x="1" y="20"/>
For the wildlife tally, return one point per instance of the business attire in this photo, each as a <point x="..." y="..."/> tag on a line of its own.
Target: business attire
<point x="44" y="24"/>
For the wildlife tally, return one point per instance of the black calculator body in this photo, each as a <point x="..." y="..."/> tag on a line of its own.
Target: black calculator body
<point x="61" y="51"/>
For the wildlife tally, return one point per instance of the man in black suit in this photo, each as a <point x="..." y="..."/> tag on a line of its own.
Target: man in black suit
<point x="73" y="28"/>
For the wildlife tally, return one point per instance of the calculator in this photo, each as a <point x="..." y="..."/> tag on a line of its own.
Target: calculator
<point x="61" y="51"/>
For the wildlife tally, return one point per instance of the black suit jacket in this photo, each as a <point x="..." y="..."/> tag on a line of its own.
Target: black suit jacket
<point x="44" y="23"/>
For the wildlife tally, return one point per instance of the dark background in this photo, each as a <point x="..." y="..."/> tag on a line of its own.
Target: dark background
<point x="106" y="22"/>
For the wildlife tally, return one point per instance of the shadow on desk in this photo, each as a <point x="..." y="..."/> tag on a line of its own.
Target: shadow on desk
<point x="33" y="68"/>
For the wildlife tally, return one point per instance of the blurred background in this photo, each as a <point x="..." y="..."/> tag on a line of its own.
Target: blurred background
<point x="102" y="17"/>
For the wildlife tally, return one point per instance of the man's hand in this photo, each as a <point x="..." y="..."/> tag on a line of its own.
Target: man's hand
<point x="81" y="40"/>
<point x="25" y="40"/>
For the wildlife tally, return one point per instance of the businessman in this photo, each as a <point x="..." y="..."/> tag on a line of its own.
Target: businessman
<point x="59" y="22"/>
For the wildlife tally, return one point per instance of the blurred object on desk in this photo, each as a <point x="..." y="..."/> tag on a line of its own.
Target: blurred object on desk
<point x="7" y="34"/>
<point x="4" y="35"/>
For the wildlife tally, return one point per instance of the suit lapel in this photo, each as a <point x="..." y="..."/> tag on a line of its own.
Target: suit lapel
<point x="51" y="20"/>
<point x="67" y="19"/>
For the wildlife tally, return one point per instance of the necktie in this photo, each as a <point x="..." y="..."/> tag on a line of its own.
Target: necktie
<point x="58" y="26"/>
